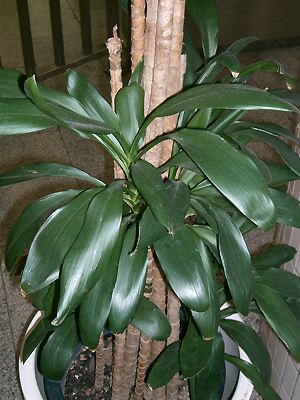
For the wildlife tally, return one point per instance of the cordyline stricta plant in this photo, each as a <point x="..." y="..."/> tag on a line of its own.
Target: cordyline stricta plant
<point x="167" y="236"/>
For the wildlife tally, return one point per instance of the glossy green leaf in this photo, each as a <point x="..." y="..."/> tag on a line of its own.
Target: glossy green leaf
<point x="12" y="84"/>
<point x="194" y="352"/>
<point x="280" y="174"/>
<point x="22" y="116"/>
<point x="251" y="372"/>
<point x="274" y="256"/>
<point x="287" y="208"/>
<point x="24" y="230"/>
<point x="151" y="321"/>
<point x="39" y="170"/>
<point x="289" y="95"/>
<point x="252" y="344"/>
<point x="45" y="299"/>
<point x="148" y="181"/>
<point x="226" y="119"/>
<point x="234" y="174"/>
<point x="237" y="264"/>
<point x="279" y="317"/>
<point x="95" y="307"/>
<point x="53" y="241"/>
<point x="207" y="236"/>
<point x="207" y="382"/>
<point x="63" y="116"/>
<point x="180" y="159"/>
<point x="149" y="230"/>
<point x="206" y="18"/>
<point x="283" y="282"/>
<point x="208" y="321"/>
<point x="183" y="267"/>
<point x="91" y="250"/>
<point x="36" y="335"/>
<point x="91" y="100"/>
<point x="179" y="198"/>
<point x="165" y="366"/>
<point x="56" y="354"/>
<point x="130" y="283"/>
<point x="137" y="75"/>
<point x="130" y="110"/>
<point x="193" y="58"/>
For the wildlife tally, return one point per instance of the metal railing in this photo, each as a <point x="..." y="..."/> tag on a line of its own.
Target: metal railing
<point x="87" y="49"/>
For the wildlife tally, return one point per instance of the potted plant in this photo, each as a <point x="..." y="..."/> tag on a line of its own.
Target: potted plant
<point x="87" y="264"/>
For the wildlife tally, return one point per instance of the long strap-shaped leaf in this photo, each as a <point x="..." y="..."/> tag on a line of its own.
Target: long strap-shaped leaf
<point x="91" y="250"/>
<point x="12" y="84"/>
<point x="27" y="225"/>
<point x="287" y="208"/>
<point x="235" y="175"/>
<point x="39" y="170"/>
<point x="53" y="241"/>
<point x="274" y="256"/>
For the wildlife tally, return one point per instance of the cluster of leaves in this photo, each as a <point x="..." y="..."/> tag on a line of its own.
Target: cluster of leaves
<point x="87" y="260"/>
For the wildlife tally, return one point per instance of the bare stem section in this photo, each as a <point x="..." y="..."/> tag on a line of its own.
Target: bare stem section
<point x="131" y="354"/>
<point x="100" y="363"/>
<point x="137" y="32"/>
<point x="114" y="46"/>
<point x="119" y="365"/>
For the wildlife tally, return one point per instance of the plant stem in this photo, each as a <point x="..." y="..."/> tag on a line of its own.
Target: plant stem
<point x="137" y="32"/>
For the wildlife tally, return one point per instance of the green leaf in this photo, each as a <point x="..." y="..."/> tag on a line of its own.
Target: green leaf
<point x="12" y="84"/>
<point x="22" y="116"/>
<point x="208" y="321"/>
<point x="151" y="321"/>
<point x="56" y="354"/>
<point x="183" y="267"/>
<point x="207" y="382"/>
<point x="280" y="174"/>
<point x="193" y="58"/>
<point x="206" y="18"/>
<point x="253" y="375"/>
<point x="130" y="283"/>
<point x="137" y="75"/>
<point x="148" y="181"/>
<point x="215" y="66"/>
<point x="279" y="317"/>
<point x="24" y="230"/>
<point x="180" y="159"/>
<point x="45" y="299"/>
<point x="150" y="230"/>
<point x="283" y="282"/>
<point x="234" y="174"/>
<point x="91" y="250"/>
<point x="165" y="366"/>
<point x="125" y="5"/>
<point x="39" y="170"/>
<point x="194" y="352"/>
<point x="95" y="307"/>
<point x="252" y="344"/>
<point x="275" y="256"/>
<point x="289" y="95"/>
<point x="208" y="236"/>
<point x="237" y="264"/>
<point x="287" y="207"/>
<point x="37" y="334"/>
<point x="130" y="110"/>
<point x="53" y="241"/>
<point x="90" y="99"/>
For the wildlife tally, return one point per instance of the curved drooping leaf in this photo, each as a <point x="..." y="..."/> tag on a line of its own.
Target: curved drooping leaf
<point x="280" y="174"/>
<point x="130" y="110"/>
<point x="57" y="352"/>
<point x="274" y="256"/>
<point x="208" y="237"/>
<point x="130" y="283"/>
<point x="183" y="267"/>
<point x="194" y="352"/>
<point x="251" y="372"/>
<point x="234" y="174"/>
<point x="95" y="307"/>
<point x="91" y="250"/>
<point x="151" y="321"/>
<point x="289" y="95"/>
<point x="148" y="181"/>
<point x="37" y="334"/>
<point x="39" y="170"/>
<point x="279" y="317"/>
<point x="208" y="321"/>
<point x="45" y="299"/>
<point x="283" y="282"/>
<point x="90" y="99"/>
<point x="208" y="381"/>
<point x="252" y="344"/>
<point x="237" y="264"/>
<point x="63" y="116"/>
<point x="180" y="159"/>
<point x="12" y="84"/>
<point x="53" y="241"/>
<point x="22" y="116"/>
<point x="287" y="208"/>
<point x="24" y="230"/>
<point x="206" y="18"/>
<point x="165" y="366"/>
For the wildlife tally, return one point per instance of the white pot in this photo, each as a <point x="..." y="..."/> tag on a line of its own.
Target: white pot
<point x="33" y="386"/>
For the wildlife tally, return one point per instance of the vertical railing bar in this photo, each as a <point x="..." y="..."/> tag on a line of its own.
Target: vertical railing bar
<point x="112" y="16"/>
<point x="26" y="36"/>
<point x="86" y="29"/>
<point x="57" y="32"/>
